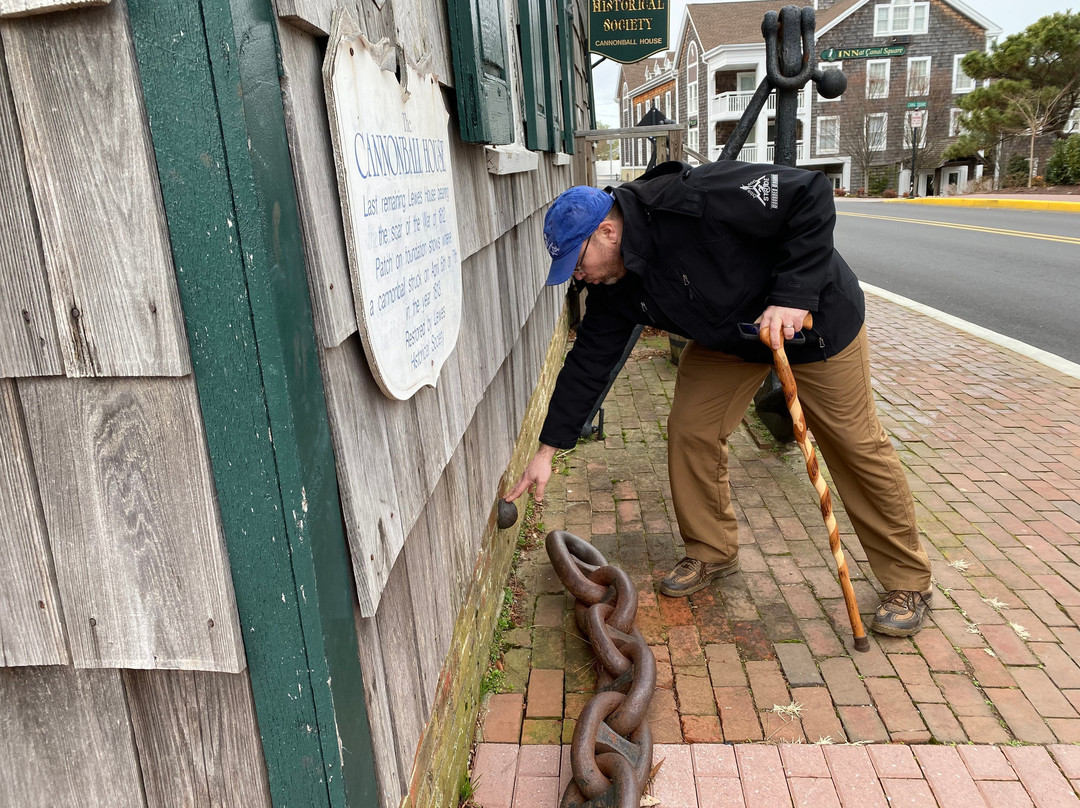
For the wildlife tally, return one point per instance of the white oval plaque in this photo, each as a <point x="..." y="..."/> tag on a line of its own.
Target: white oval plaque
<point x="392" y="149"/>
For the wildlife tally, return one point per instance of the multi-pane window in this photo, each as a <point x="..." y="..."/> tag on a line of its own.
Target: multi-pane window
<point x="877" y="126"/>
<point x="691" y="82"/>
<point x="913" y="119"/>
<point x="828" y="135"/>
<point x="956" y="128"/>
<point x="901" y="17"/>
<point x="918" y="75"/>
<point x="667" y="105"/>
<point x="961" y="82"/>
<point x="831" y="66"/>
<point x="1073" y="124"/>
<point x="692" y="137"/>
<point x="877" y="78"/>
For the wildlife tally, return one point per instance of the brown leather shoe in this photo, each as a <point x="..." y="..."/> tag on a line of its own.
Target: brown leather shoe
<point x="690" y="575"/>
<point x="901" y="613"/>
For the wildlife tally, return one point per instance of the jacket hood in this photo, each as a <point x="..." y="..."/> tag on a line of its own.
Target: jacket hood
<point x="665" y="188"/>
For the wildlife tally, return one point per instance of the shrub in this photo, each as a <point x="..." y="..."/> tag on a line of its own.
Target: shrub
<point x="839" y="192"/>
<point x="1063" y="167"/>
<point x="889" y="193"/>
<point x="1016" y="171"/>
<point x="879" y="181"/>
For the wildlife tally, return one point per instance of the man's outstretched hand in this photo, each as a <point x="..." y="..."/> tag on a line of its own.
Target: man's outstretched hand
<point x="536" y="475"/>
<point x="781" y="323"/>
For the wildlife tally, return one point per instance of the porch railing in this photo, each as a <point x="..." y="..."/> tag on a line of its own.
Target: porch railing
<point x="727" y="105"/>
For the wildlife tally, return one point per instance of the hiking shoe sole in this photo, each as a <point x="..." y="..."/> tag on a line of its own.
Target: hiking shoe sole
<point x="729" y="569"/>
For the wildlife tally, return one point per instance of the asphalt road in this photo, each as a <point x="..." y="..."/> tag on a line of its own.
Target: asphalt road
<point x="1013" y="272"/>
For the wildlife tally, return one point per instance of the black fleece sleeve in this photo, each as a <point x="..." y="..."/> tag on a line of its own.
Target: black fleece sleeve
<point x="804" y="242"/>
<point x="601" y="339"/>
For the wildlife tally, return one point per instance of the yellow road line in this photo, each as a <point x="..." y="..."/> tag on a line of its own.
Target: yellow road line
<point x="996" y="230"/>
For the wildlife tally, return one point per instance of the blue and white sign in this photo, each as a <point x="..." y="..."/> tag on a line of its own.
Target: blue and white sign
<point x="391" y="144"/>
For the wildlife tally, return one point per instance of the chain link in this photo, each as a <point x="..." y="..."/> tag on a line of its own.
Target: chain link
<point x="611" y="751"/>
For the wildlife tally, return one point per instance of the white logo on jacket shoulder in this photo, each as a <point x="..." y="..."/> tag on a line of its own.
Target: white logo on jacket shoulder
<point x="765" y="189"/>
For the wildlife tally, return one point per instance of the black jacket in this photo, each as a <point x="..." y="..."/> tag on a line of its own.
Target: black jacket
<point x="706" y="248"/>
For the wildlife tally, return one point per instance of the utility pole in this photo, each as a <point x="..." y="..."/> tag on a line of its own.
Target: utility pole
<point x="914" y="154"/>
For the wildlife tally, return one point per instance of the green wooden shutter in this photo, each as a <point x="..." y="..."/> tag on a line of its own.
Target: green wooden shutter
<point x="535" y="45"/>
<point x="566" y="73"/>
<point x="478" y="43"/>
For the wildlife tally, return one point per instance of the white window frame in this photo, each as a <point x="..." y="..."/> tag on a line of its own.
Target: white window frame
<point x="886" y="23"/>
<point x="926" y="87"/>
<point x="830" y="66"/>
<point x="692" y="100"/>
<point x="922" y="129"/>
<point x="959" y="75"/>
<point x="955" y="127"/>
<point x="884" y="116"/>
<point x="692" y="138"/>
<point x="1073" y="123"/>
<point x="835" y="147"/>
<point x="869" y="85"/>
<point x="637" y="113"/>
<point x="667" y="105"/>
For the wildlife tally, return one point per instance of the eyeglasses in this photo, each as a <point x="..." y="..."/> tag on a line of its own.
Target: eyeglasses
<point x="577" y="266"/>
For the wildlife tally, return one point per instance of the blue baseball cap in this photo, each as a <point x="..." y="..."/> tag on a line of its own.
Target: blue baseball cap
<point x="570" y="220"/>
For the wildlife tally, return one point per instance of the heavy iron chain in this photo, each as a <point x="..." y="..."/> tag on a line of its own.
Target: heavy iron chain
<point x="611" y="752"/>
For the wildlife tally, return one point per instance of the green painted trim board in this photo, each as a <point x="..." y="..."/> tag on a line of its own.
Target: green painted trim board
<point x="210" y="78"/>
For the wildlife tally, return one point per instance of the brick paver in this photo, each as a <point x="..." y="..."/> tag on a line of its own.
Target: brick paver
<point x="855" y="777"/>
<point x="493" y="773"/>
<point x="908" y="793"/>
<point x="894" y="761"/>
<point x="1041" y="777"/>
<point x="949" y="779"/>
<point x="762" y="774"/>
<point x="990" y="441"/>
<point x="674" y="783"/>
<point x="1005" y="794"/>
<point x="502" y="724"/>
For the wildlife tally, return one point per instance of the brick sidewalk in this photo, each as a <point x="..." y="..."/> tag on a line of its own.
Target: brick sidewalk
<point x="991" y="442"/>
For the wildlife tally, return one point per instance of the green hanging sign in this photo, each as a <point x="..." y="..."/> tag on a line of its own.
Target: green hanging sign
<point x="628" y="31"/>
<point x="839" y="54"/>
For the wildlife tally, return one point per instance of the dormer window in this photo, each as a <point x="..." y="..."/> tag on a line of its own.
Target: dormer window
<point x="901" y="17"/>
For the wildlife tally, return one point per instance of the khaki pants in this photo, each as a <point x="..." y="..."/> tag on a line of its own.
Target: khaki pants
<point x="712" y="392"/>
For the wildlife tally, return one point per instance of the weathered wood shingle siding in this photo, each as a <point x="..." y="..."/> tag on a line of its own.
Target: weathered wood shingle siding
<point x="948" y="33"/>
<point x="197" y="739"/>
<point x="124" y="479"/>
<point x="31" y="625"/>
<point x="401" y="656"/>
<point x="409" y="442"/>
<point x="94" y="182"/>
<point x="111" y="551"/>
<point x="66" y="741"/>
<point x="104" y="467"/>
<point x="117" y="551"/>
<point x="28" y="342"/>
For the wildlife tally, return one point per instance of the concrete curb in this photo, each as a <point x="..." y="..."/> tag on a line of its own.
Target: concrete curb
<point x="1054" y="361"/>
<point x="996" y="202"/>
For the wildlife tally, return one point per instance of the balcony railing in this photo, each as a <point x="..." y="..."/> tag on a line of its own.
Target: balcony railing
<point x="752" y="153"/>
<point x="732" y="105"/>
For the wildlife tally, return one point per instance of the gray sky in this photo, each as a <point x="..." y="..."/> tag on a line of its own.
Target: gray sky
<point x="1011" y="15"/>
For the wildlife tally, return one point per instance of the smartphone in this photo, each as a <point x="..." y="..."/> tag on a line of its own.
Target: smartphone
<point x="750" y="331"/>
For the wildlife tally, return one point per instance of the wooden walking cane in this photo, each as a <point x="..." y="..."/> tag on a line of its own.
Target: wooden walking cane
<point x="798" y="421"/>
